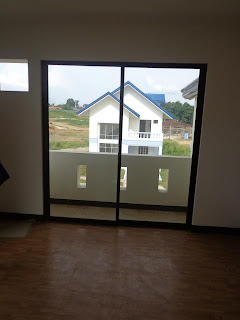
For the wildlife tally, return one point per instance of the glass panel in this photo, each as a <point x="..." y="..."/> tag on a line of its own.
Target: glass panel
<point x="14" y="75"/>
<point x="83" y="139"/>
<point x="158" y="125"/>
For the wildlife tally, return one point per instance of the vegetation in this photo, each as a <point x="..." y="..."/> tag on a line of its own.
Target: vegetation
<point x="58" y="145"/>
<point x="69" y="117"/>
<point x="70" y="104"/>
<point x="67" y="130"/>
<point x="174" y="148"/>
<point x="56" y="113"/>
<point x="182" y="112"/>
<point x="164" y="176"/>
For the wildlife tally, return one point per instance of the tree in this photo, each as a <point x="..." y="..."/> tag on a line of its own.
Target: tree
<point x="71" y="103"/>
<point x="181" y="112"/>
<point x="76" y="103"/>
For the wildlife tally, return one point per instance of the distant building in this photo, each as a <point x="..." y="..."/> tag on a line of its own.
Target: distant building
<point x="143" y="116"/>
<point x="175" y="124"/>
<point x="191" y="92"/>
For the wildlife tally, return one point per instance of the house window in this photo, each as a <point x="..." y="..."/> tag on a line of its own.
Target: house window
<point x="155" y="121"/>
<point x="13" y="75"/>
<point x="109" y="131"/>
<point x="108" y="147"/>
<point x="142" y="150"/>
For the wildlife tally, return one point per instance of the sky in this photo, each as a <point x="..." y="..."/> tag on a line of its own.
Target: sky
<point x="86" y="83"/>
<point x="13" y="76"/>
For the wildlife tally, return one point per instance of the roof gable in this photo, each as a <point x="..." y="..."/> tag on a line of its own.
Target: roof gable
<point x="104" y="96"/>
<point x="128" y="83"/>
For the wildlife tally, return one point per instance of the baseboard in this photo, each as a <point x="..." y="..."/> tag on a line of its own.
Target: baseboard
<point x="20" y="216"/>
<point x="222" y="230"/>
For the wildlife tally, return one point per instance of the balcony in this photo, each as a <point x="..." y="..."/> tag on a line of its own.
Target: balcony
<point x="142" y="185"/>
<point x="145" y="136"/>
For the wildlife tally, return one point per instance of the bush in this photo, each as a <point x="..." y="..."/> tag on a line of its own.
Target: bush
<point x="174" y="148"/>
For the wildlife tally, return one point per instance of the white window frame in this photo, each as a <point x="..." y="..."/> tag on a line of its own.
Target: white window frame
<point x="106" y="136"/>
<point x="143" y="150"/>
<point x="110" y="145"/>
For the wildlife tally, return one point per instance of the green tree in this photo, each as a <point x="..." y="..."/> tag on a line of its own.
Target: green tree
<point x="182" y="112"/>
<point x="71" y="103"/>
<point x="76" y="103"/>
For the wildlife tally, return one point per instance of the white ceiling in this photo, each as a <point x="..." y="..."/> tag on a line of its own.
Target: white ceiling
<point x="78" y="9"/>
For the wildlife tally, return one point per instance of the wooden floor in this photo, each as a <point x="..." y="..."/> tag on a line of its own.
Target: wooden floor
<point x="66" y="271"/>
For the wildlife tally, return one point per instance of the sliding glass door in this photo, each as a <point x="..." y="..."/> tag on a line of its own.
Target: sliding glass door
<point x="155" y="173"/>
<point x="83" y="141"/>
<point x="121" y="140"/>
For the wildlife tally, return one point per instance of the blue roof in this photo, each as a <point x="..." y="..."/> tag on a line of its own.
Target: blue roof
<point x="102" y="97"/>
<point x="146" y="96"/>
<point x="157" y="97"/>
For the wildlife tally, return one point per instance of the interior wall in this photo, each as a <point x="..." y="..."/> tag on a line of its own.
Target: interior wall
<point x="217" y="44"/>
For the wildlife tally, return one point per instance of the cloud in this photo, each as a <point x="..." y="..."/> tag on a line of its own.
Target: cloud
<point x="14" y="76"/>
<point x="162" y="88"/>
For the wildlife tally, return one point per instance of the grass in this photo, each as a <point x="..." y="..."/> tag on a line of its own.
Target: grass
<point x="58" y="145"/>
<point x="69" y="117"/>
<point x="62" y="114"/>
<point x="63" y="133"/>
<point x="164" y="176"/>
<point x="83" y="123"/>
<point x="173" y="148"/>
<point x="122" y="173"/>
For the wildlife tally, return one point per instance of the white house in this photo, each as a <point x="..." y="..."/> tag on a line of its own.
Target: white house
<point x="142" y="122"/>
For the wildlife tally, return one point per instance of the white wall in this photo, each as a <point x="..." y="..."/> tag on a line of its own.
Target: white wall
<point x="146" y="109"/>
<point x="106" y="111"/>
<point x="182" y="40"/>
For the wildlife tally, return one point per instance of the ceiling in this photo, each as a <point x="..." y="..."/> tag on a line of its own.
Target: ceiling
<point x="111" y="9"/>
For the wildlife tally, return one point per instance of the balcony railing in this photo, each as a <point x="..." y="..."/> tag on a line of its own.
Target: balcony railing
<point x="99" y="183"/>
<point x="145" y="135"/>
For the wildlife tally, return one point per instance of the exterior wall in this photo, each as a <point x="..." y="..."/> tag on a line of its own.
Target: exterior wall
<point x="152" y="151"/>
<point x="185" y="40"/>
<point x="142" y="184"/>
<point x="145" y="108"/>
<point x="134" y="123"/>
<point x="106" y="111"/>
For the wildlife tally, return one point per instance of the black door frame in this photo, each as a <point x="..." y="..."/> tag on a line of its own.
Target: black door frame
<point x="196" y="144"/>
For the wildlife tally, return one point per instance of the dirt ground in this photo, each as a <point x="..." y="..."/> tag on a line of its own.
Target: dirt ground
<point x="60" y="131"/>
<point x="185" y="142"/>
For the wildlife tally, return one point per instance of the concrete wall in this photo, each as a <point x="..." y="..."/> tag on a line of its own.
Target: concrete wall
<point x="182" y="40"/>
<point x="101" y="181"/>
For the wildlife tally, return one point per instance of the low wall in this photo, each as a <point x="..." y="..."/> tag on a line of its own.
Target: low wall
<point x="142" y="178"/>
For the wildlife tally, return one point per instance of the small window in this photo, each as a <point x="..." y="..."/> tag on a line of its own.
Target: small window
<point x="108" y="147"/>
<point x="13" y="75"/>
<point x="155" y="121"/>
<point x="142" y="150"/>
